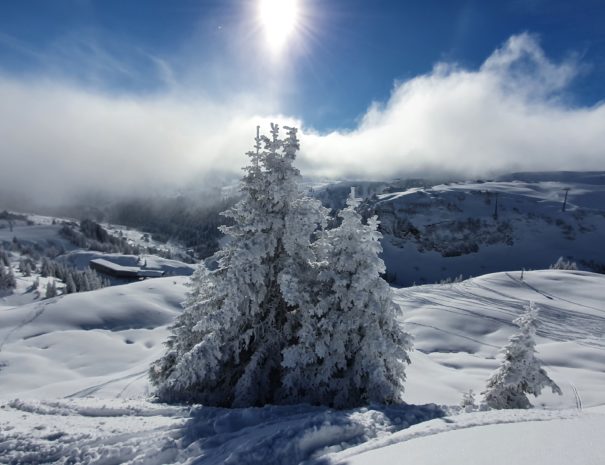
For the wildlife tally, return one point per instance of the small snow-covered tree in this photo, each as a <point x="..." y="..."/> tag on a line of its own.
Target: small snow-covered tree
<point x="563" y="264"/>
<point x="521" y="371"/>
<point x="350" y="348"/>
<point x="25" y="267"/>
<point x="468" y="401"/>
<point x="51" y="289"/>
<point x="70" y="284"/>
<point x="4" y="258"/>
<point x="46" y="268"/>
<point x="7" y="278"/>
<point x="226" y="347"/>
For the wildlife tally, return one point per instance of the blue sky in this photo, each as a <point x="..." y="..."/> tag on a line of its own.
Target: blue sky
<point x="123" y="94"/>
<point x="351" y="53"/>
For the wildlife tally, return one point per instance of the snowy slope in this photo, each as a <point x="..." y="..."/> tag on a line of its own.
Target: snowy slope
<point x="78" y="344"/>
<point x="497" y="438"/>
<point x="73" y="383"/>
<point x="459" y="329"/>
<point x="44" y="234"/>
<point x="448" y="230"/>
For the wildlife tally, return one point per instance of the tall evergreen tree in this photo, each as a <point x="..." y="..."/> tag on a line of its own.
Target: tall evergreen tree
<point x="226" y="347"/>
<point x="350" y="348"/>
<point x="521" y="371"/>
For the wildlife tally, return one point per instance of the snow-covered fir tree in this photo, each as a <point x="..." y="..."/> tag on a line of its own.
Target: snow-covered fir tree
<point x="25" y="267"/>
<point x="350" y="348"/>
<point x="4" y="258"/>
<point x="521" y="371"/>
<point x="70" y="284"/>
<point x="226" y="347"/>
<point x="7" y="277"/>
<point x="51" y="289"/>
<point x="468" y="402"/>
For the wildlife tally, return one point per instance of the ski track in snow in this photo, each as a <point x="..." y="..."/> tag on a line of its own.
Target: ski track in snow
<point x="557" y="323"/>
<point x="551" y="296"/>
<point x="577" y="397"/>
<point x="86" y="392"/>
<point x="35" y="313"/>
<point x="454" y="334"/>
<point x="77" y="432"/>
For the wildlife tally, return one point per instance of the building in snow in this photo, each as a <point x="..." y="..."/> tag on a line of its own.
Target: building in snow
<point x="123" y="272"/>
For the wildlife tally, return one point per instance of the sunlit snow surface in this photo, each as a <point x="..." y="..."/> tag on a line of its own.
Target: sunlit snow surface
<point x="73" y="387"/>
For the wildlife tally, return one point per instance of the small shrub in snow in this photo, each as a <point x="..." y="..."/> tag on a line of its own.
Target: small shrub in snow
<point x="562" y="264"/>
<point x="521" y="371"/>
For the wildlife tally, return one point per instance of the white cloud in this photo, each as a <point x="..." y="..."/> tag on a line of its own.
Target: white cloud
<point x="57" y="141"/>
<point x="510" y="114"/>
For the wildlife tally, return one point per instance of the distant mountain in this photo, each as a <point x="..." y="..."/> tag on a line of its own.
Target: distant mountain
<point x="473" y="228"/>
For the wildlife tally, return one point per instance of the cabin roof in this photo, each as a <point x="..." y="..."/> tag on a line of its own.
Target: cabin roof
<point x="124" y="271"/>
<point x="114" y="266"/>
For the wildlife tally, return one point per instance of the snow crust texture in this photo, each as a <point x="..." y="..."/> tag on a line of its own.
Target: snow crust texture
<point x="136" y="432"/>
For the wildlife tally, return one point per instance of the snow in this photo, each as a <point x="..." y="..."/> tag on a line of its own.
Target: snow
<point x="449" y="230"/>
<point x="144" y="240"/>
<point x="497" y="438"/>
<point x="87" y="342"/>
<point x="81" y="259"/>
<point x="460" y="328"/>
<point x="46" y="234"/>
<point x="115" y="266"/>
<point x="73" y="386"/>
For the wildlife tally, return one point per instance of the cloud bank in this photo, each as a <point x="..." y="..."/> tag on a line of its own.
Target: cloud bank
<point x="510" y="114"/>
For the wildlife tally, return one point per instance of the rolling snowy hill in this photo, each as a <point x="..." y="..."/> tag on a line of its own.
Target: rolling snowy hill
<point x="74" y="390"/>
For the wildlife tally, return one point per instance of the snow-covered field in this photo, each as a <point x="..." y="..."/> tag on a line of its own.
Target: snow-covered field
<point x="73" y="385"/>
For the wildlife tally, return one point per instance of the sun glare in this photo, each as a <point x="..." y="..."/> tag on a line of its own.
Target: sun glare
<point x="278" y="19"/>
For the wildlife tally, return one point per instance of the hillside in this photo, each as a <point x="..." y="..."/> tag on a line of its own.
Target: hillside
<point x="73" y="384"/>
<point x="474" y="228"/>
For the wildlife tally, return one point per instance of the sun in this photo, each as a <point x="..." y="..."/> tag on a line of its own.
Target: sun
<point x="279" y="19"/>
